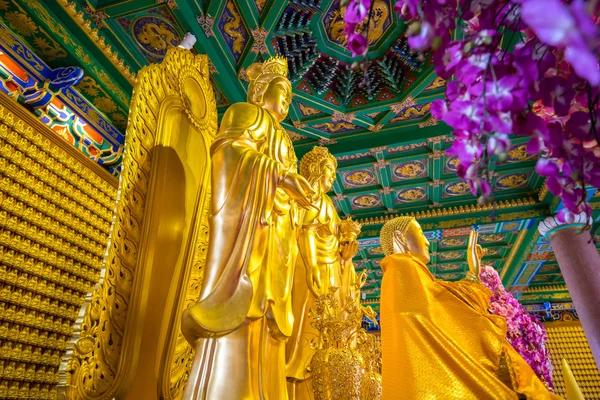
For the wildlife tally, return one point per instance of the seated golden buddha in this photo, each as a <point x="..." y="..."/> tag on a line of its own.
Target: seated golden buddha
<point x="439" y="341"/>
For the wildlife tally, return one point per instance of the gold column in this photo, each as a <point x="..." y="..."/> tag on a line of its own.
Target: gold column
<point x="55" y="213"/>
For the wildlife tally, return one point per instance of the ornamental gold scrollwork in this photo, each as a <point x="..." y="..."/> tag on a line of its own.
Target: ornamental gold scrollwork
<point x="166" y="177"/>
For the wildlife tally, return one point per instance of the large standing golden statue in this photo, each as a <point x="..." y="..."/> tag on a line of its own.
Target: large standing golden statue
<point x="326" y="253"/>
<point x="244" y="314"/>
<point x="439" y="340"/>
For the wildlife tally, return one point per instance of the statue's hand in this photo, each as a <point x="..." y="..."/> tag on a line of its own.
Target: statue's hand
<point x="348" y="250"/>
<point x="474" y="253"/>
<point x="313" y="278"/>
<point x="298" y="188"/>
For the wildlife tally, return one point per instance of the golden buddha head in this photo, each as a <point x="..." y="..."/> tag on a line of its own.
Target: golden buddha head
<point x="269" y="86"/>
<point x="318" y="167"/>
<point x="403" y="235"/>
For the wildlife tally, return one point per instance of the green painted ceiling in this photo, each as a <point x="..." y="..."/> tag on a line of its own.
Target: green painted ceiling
<point x="390" y="150"/>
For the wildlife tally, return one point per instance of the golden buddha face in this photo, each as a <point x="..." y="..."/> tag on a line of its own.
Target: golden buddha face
<point x="327" y="176"/>
<point x="277" y="98"/>
<point x="412" y="242"/>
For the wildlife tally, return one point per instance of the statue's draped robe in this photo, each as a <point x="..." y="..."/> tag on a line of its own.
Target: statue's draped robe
<point x="245" y="298"/>
<point x="325" y="252"/>
<point x="440" y="342"/>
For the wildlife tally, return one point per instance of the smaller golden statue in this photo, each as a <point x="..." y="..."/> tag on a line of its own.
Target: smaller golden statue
<point x="438" y="338"/>
<point x="327" y="246"/>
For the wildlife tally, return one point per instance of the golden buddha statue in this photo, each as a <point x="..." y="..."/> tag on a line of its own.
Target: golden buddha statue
<point x="326" y="252"/>
<point x="438" y="338"/>
<point x="244" y="313"/>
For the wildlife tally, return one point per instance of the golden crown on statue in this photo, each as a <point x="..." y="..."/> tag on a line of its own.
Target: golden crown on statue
<point x="276" y="65"/>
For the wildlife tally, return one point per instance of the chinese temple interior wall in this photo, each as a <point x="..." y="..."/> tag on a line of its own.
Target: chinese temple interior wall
<point x="56" y="208"/>
<point x="567" y="340"/>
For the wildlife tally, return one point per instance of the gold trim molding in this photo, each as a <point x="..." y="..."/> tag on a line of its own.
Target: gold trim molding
<point x="93" y="33"/>
<point x="549" y="288"/>
<point x="444" y="212"/>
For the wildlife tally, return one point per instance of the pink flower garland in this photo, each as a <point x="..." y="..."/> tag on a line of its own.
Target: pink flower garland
<point x="524" y="331"/>
<point x="524" y="67"/>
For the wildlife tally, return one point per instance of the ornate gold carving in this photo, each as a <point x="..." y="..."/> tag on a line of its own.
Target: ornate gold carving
<point x="93" y="33"/>
<point x="156" y="36"/>
<point x="336" y="368"/>
<point x="543" y="192"/>
<point x="549" y="288"/>
<point x="54" y="220"/>
<point x="102" y="357"/>
<point x="308" y="110"/>
<point x="335" y="127"/>
<point x="443" y="212"/>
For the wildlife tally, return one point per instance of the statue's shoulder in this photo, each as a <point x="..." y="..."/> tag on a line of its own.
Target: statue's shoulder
<point x="243" y="108"/>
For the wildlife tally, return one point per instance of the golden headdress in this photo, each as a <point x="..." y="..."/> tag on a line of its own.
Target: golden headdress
<point x="276" y="65"/>
<point x="316" y="155"/>
<point x="386" y="236"/>
<point x="262" y="73"/>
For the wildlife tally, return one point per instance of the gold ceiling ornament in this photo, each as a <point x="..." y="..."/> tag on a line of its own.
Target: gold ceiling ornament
<point x="94" y="34"/>
<point x="145" y="282"/>
<point x="549" y="288"/>
<point x="444" y="212"/>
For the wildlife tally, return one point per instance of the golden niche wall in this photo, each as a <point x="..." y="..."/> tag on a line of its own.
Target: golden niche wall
<point x="567" y="340"/>
<point x="56" y="209"/>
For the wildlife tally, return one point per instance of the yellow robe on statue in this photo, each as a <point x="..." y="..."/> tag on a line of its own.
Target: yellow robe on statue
<point x="439" y="341"/>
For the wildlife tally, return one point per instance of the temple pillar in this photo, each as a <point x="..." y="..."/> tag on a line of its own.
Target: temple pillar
<point x="579" y="264"/>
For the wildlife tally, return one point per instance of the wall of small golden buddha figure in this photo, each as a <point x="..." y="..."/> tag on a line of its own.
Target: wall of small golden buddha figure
<point x="567" y="340"/>
<point x="55" y="216"/>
